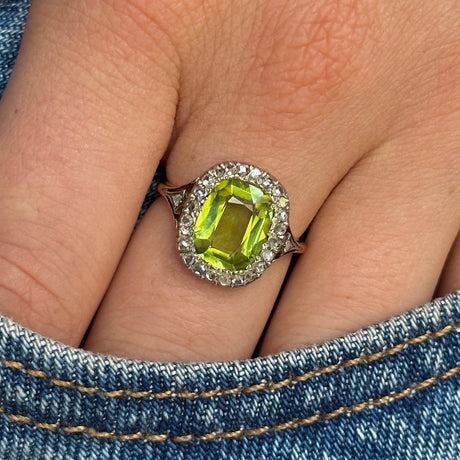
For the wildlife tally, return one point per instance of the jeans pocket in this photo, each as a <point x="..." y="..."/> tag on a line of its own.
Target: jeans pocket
<point x="389" y="391"/>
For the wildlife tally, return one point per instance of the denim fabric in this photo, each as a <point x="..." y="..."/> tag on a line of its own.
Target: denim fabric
<point x="13" y="14"/>
<point x="391" y="391"/>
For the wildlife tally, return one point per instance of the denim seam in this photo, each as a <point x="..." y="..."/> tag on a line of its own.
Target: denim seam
<point x="242" y="432"/>
<point x="237" y="390"/>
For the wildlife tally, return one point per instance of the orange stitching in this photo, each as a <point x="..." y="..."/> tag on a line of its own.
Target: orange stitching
<point x="295" y="423"/>
<point x="237" y="390"/>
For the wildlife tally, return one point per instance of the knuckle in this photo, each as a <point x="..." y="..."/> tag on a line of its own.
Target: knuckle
<point x="312" y="50"/>
<point x="280" y="63"/>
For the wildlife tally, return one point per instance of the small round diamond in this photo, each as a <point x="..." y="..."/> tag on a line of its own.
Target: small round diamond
<point x="276" y="190"/>
<point x="267" y="255"/>
<point x="178" y="199"/>
<point x="233" y="169"/>
<point x="184" y="244"/>
<point x="280" y="228"/>
<point x="238" y="280"/>
<point x="219" y="172"/>
<point x="283" y="216"/>
<point x="255" y="174"/>
<point x="273" y="243"/>
<point x="283" y="202"/>
<point x="199" y="269"/>
<point x="224" y="279"/>
<point x="249" y="276"/>
<point x="207" y="181"/>
<point x="242" y="170"/>
<point x="267" y="182"/>
<point x="259" y="267"/>
<point x="210" y="275"/>
<point x="200" y="193"/>
<point x="188" y="258"/>
<point x="187" y="220"/>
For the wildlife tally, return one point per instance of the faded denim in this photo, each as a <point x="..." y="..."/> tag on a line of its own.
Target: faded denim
<point x="391" y="391"/>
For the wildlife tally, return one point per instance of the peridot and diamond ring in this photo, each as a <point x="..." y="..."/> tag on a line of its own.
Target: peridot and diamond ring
<point x="232" y="223"/>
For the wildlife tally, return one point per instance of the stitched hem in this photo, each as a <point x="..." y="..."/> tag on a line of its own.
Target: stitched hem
<point x="236" y="390"/>
<point x="243" y="432"/>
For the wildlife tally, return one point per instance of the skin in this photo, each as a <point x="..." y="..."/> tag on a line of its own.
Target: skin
<point x="354" y="106"/>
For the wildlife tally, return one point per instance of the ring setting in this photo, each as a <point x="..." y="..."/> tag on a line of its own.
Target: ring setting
<point x="232" y="222"/>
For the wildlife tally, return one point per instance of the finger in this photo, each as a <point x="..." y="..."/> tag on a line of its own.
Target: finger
<point x="376" y="248"/>
<point x="85" y="118"/>
<point x="158" y="309"/>
<point x="450" y="277"/>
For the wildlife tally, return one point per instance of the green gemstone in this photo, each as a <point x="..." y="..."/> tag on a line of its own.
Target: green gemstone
<point x="233" y="224"/>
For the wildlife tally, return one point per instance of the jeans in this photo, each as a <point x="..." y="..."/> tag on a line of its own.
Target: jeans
<point x="390" y="391"/>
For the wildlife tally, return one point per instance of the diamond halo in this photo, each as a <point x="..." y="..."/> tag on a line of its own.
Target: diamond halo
<point x="279" y="239"/>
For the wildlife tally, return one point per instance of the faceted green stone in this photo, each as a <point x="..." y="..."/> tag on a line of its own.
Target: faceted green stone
<point x="233" y="225"/>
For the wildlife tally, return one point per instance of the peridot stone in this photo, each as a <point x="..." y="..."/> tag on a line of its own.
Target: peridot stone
<point x="233" y="224"/>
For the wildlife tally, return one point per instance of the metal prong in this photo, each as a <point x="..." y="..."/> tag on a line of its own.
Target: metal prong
<point x="175" y="196"/>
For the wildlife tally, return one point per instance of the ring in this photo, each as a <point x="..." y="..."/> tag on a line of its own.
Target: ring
<point x="232" y="223"/>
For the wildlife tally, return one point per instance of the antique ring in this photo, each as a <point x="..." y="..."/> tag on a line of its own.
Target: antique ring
<point x="232" y="223"/>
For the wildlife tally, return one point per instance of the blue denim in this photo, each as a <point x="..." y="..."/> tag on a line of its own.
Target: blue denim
<point x="12" y="18"/>
<point x="391" y="391"/>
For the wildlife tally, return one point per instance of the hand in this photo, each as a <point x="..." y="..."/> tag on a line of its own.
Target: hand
<point x="354" y="106"/>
